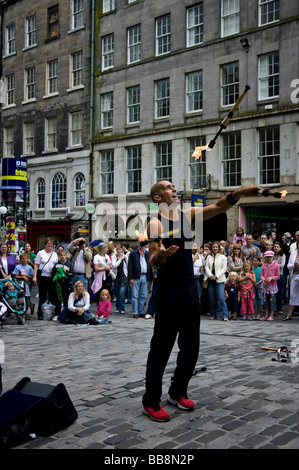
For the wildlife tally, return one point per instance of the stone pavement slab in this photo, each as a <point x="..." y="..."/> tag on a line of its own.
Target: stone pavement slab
<point x="244" y="400"/>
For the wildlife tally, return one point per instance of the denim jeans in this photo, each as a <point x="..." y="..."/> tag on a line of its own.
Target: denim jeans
<point x="217" y="294"/>
<point x="199" y="286"/>
<point x="120" y="286"/>
<point x="139" y="294"/>
<point x="83" y="319"/>
<point x="270" y="302"/>
<point x="152" y="304"/>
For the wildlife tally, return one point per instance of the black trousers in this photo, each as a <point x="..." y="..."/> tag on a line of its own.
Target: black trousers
<point x="177" y="315"/>
<point x="47" y="290"/>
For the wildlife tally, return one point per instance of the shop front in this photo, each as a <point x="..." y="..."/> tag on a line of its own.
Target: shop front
<point x="37" y="232"/>
<point x="279" y="218"/>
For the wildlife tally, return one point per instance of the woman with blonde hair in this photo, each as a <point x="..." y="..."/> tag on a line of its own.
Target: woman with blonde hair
<point x="236" y="260"/>
<point x="79" y="304"/>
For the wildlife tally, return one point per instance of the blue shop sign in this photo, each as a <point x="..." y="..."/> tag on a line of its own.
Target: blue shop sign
<point x="14" y="174"/>
<point x="198" y="200"/>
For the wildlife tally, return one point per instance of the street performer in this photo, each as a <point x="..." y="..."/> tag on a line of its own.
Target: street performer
<point x="178" y="310"/>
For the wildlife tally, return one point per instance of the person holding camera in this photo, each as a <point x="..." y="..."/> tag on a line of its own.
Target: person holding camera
<point x="81" y="261"/>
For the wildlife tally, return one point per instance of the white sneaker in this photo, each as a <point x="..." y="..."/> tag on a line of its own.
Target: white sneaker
<point x="148" y="317"/>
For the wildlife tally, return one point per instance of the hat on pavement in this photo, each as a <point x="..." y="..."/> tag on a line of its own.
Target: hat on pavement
<point x="269" y="253"/>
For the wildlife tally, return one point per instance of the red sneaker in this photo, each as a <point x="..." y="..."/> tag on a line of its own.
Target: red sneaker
<point x="156" y="413"/>
<point x="181" y="402"/>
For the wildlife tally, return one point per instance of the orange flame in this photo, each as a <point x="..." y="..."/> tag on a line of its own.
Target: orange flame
<point x="198" y="150"/>
<point x="284" y="193"/>
<point x="141" y="235"/>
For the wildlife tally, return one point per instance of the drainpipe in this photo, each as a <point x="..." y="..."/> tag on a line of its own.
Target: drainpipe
<point x="91" y="109"/>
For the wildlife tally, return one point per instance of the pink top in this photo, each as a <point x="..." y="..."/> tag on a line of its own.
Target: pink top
<point x="104" y="308"/>
<point x="248" y="284"/>
<point x="270" y="270"/>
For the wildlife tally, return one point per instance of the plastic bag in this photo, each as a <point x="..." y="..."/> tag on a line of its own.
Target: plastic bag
<point x="47" y="310"/>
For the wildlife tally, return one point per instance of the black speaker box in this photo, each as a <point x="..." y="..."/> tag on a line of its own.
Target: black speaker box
<point x="56" y="410"/>
<point x="18" y="417"/>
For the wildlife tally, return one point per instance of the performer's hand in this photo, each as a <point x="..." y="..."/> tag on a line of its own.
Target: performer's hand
<point x="164" y="253"/>
<point x="247" y="191"/>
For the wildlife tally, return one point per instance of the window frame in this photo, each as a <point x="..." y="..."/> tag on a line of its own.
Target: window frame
<point x="51" y="133"/>
<point x="163" y="39"/>
<point x="271" y="76"/>
<point x="191" y="28"/>
<point x="75" y="132"/>
<point x="58" y="187"/>
<point x="10" y="87"/>
<point x="231" y="15"/>
<point x="229" y="98"/>
<point x="10" y="41"/>
<point x="76" y="70"/>
<point x="52" y="78"/>
<point x="107" y="177"/>
<point x="134" y="168"/>
<point x="191" y="93"/>
<point x="133" y="104"/>
<point x="40" y="193"/>
<point x="107" y="52"/>
<point x="197" y="168"/>
<point x="28" y="138"/>
<point x="108" y="5"/>
<point x="9" y="150"/>
<point x="77" y="14"/>
<point x="107" y="113"/>
<point x="30" y="84"/>
<point x="134" y="48"/>
<point x="267" y="3"/>
<point x="267" y="159"/>
<point x="163" y="155"/>
<point x="231" y="159"/>
<point x="30" y="31"/>
<point x="78" y="191"/>
<point x="162" y="101"/>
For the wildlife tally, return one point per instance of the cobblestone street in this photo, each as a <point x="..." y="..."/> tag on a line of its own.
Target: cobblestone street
<point x="244" y="400"/>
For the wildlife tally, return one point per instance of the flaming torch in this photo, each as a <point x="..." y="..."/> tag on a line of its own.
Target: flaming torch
<point x="277" y="195"/>
<point x="223" y="125"/>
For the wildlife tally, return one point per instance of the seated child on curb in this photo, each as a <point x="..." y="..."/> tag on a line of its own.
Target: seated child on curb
<point x="247" y="281"/>
<point x="232" y="294"/>
<point x="258" y="287"/>
<point x="12" y="296"/>
<point x="104" y="307"/>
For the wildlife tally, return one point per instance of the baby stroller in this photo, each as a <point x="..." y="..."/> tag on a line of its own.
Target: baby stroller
<point x="15" y="305"/>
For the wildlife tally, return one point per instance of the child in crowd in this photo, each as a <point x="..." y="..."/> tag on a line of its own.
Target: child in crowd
<point x="258" y="287"/>
<point x="270" y="274"/>
<point x="13" y="296"/>
<point x="104" y="307"/>
<point x="247" y="281"/>
<point x="24" y="272"/>
<point x="63" y="266"/>
<point x="240" y="236"/>
<point x="232" y="294"/>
